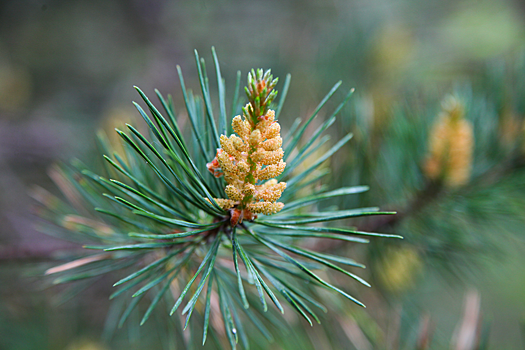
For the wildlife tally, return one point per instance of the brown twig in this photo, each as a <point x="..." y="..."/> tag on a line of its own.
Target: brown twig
<point x="427" y="195"/>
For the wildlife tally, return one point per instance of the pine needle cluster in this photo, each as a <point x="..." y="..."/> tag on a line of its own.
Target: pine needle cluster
<point x="169" y="229"/>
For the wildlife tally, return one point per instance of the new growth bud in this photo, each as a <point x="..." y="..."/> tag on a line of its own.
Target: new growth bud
<point x="450" y="146"/>
<point x="252" y="156"/>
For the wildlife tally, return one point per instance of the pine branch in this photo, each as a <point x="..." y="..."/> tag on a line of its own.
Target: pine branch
<point x="163" y="221"/>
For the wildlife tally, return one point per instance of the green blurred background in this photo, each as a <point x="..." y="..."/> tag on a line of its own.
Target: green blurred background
<point x="67" y="69"/>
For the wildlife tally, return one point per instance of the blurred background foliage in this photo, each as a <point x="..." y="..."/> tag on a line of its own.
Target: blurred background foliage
<point x="67" y="70"/>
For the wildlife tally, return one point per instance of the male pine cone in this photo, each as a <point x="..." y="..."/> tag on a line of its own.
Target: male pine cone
<point x="450" y="146"/>
<point x="252" y="156"/>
